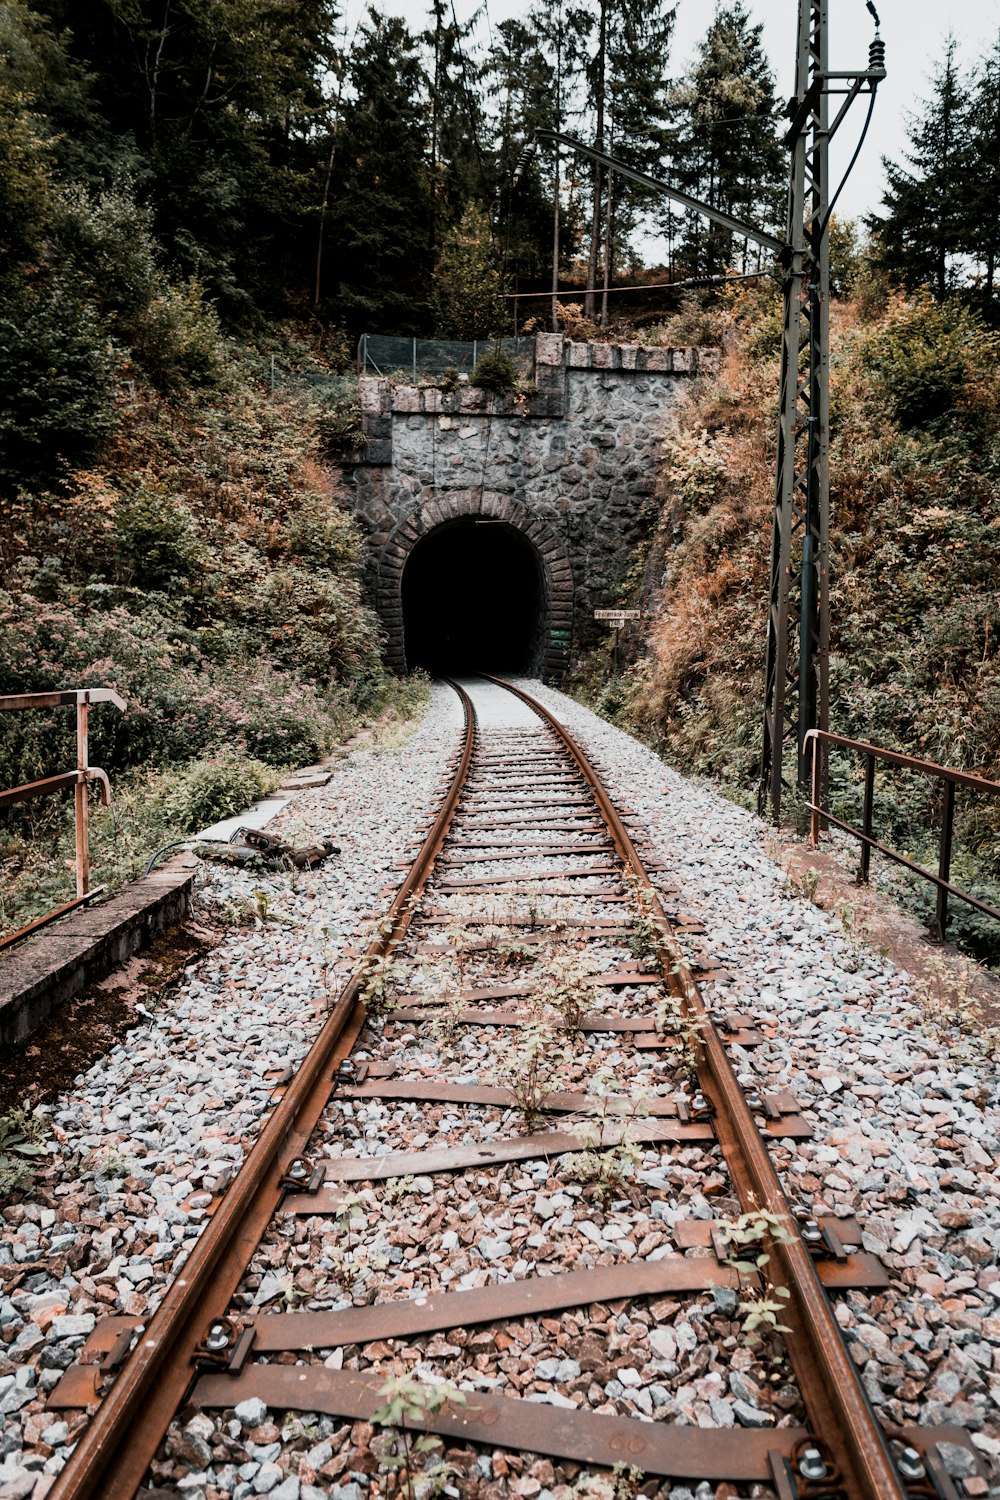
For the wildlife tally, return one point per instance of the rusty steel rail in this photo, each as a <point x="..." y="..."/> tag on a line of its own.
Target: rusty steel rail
<point x="116" y="1449"/>
<point x="79" y="779"/>
<point x="120" y="1443"/>
<point x="819" y="739"/>
<point x="840" y="1412"/>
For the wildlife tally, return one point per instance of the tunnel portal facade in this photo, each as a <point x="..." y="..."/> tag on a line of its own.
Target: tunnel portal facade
<point x="549" y="491"/>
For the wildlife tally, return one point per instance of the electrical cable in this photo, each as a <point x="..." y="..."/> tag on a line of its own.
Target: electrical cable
<point x="851" y="165"/>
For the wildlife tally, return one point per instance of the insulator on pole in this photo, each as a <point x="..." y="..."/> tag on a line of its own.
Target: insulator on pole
<point x="524" y="161"/>
<point x="876" y="56"/>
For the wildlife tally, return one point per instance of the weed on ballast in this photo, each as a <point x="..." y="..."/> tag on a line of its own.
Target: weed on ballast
<point x="379" y="983"/>
<point x="604" y="1174"/>
<point x="527" y="1065"/>
<point x="753" y="1235"/>
<point x="563" y="988"/>
<point x="397" y="1189"/>
<point x="804" y="885"/>
<point x="23" y="1137"/>
<point x="407" y="1403"/>
<point x="672" y="1019"/>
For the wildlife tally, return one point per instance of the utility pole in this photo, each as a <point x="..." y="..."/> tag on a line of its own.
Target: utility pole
<point x="796" y="684"/>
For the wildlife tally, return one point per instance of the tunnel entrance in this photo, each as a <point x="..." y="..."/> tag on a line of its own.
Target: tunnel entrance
<point x="473" y="598"/>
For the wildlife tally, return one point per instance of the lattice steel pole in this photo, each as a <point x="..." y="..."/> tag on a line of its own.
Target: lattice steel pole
<point x="798" y="628"/>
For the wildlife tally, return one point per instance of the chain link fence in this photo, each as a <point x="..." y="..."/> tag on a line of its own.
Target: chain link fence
<point x="379" y="354"/>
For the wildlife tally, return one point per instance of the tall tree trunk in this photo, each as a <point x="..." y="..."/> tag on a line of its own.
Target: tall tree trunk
<point x="609" y="219"/>
<point x="595" y="215"/>
<point x="555" y="182"/>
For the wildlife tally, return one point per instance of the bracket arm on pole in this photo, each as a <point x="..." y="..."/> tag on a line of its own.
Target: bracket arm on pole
<point x="726" y="221"/>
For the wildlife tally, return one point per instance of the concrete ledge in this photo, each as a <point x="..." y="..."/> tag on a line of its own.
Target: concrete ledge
<point x="40" y="974"/>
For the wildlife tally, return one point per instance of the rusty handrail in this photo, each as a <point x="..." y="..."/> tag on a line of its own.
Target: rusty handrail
<point x="79" y="779"/>
<point x="819" y="738"/>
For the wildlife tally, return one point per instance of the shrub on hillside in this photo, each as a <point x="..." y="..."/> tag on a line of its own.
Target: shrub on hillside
<point x="179" y="707"/>
<point x="933" y="362"/>
<point x="57" y="379"/>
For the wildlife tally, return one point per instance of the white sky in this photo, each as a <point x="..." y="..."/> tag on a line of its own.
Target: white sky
<point x="913" y="31"/>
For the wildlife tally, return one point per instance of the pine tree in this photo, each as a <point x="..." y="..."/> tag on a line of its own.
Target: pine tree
<point x="522" y="82"/>
<point x="727" y="151"/>
<point x="638" y="114"/>
<point x="457" y="125"/>
<point x="380" y="222"/>
<point x="468" y="282"/>
<point x="981" y="185"/>
<point x="926" y="224"/>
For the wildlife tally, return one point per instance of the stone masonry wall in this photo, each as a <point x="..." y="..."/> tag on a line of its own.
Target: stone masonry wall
<point x="570" y="466"/>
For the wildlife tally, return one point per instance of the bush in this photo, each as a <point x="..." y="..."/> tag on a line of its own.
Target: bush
<point x="179" y="707"/>
<point x="57" y="381"/>
<point x="205" y="793"/>
<point x="178" y="340"/>
<point x="495" y="372"/>
<point x="933" y="361"/>
<point x="157" y="546"/>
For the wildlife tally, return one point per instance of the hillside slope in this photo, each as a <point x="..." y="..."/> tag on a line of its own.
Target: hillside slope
<point x="915" y="552"/>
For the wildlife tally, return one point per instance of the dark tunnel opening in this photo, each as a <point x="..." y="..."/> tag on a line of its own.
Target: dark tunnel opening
<point x="472" y="599"/>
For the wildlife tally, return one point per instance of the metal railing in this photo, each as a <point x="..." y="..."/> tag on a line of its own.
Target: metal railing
<point x="820" y="739"/>
<point x="79" y="779"/>
<point x="381" y="354"/>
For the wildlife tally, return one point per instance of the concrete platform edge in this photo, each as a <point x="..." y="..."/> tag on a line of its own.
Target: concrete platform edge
<point x="42" y="973"/>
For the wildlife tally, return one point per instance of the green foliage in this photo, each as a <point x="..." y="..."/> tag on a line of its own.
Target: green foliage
<point x="213" y="790"/>
<point x="57" y="372"/>
<point x="408" y="1403"/>
<point x="157" y="545"/>
<point x="178" y="340"/>
<point x="468" y="281"/>
<point x="149" y="810"/>
<point x="22" y="1141"/>
<point x="527" y="1066"/>
<point x="495" y="372"/>
<point x="932" y="361"/>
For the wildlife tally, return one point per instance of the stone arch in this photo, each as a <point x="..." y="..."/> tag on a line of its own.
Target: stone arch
<point x="455" y="505"/>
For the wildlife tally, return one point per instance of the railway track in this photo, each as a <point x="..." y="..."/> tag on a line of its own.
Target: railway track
<point x="522" y="1043"/>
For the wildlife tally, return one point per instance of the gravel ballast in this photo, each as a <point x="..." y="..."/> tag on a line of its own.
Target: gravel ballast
<point x="906" y="1138"/>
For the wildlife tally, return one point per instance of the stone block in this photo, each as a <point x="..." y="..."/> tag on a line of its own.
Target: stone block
<point x="658" y="360"/>
<point x="628" y="356"/>
<point x="709" y="361"/>
<point x="548" y="349"/>
<point x="604" y="357"/>
<point x="378" y="427"/>
<point x="377" y="451"/>
<point x="684" y="361"/>
<point x="579" y="356"/>
<point x="405" y="398"/>
<point x="373" y="394"/>
<point x="432" y="399"/>
<point x="470" y="399"/>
